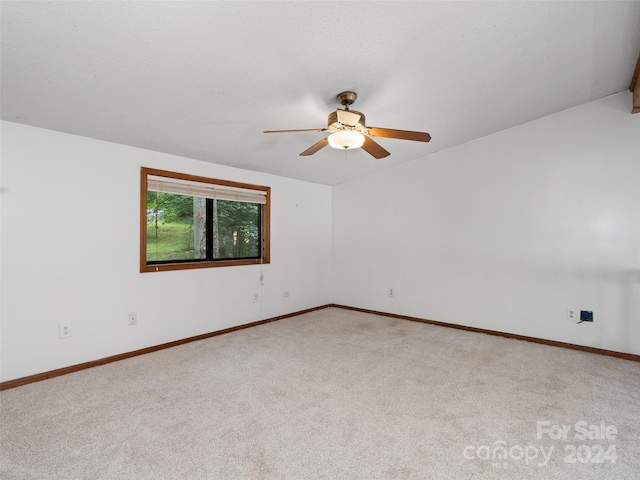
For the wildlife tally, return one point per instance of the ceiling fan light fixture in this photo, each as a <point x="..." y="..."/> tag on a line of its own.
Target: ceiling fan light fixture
<point x="346" y="139"/>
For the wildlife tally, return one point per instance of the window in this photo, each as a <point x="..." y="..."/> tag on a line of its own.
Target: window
<point x="188" y="221"/>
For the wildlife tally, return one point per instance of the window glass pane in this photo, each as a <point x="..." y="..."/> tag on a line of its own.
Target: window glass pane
<point x="175" y="227"/>
<point x="236" y="229"/>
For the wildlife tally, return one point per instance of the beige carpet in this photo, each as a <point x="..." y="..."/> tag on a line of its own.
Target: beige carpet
<point x="327" y="395"/>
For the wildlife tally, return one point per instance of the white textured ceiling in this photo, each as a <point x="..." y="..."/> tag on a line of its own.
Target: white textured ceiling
<point x="204" y="79"/>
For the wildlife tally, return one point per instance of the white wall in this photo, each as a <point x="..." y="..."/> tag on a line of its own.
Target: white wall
<point x="70" y="246"/>
<point x="505" y="232"/>
<point x="502" y="233"/>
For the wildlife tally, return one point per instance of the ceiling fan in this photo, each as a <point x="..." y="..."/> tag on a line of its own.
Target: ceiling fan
<point x="348" y="131"/>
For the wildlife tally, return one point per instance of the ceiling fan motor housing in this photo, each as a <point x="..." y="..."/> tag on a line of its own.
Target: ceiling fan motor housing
<point x="333" y="119"/>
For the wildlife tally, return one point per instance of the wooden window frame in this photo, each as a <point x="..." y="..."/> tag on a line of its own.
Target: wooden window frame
<point x="160" y="267"/>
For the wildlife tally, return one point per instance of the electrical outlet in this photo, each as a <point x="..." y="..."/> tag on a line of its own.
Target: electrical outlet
<point x="286" y="293"/>
<point x="256" y="297"/>
<point x="572" y="314"/>
<point x="65" y="330"/>
<point x="392" y="292"/>
<point x="133" y="319"/>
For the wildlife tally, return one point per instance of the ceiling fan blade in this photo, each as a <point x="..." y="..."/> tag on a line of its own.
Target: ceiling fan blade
<point x="304" y="130"/>
<point x="315" y="147"/>
<point x="400" y="134"/>
<point x="348" y="118"/>
<point x="374" y="149"/>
